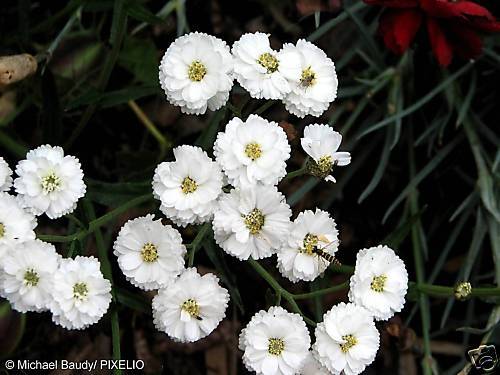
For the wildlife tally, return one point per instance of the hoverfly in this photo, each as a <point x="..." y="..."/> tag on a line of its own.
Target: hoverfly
<point x="322" y="254"/>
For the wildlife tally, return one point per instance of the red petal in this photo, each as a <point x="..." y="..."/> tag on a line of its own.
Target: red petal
<point x="440" y="45"/>
<point x="394" y="3"/>
<point x="485" y="25"/>
<point x="398" y="28"/>
<point x="466" y="41"/>
<point x="447" y="9"/>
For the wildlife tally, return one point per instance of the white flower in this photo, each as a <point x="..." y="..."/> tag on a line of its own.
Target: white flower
<point x="298" y="258"/>
<point x="196" y="73"/>
<point x="252" y="222"/>
<point x="347" y="339"/>
<point x="321" y="143"/>
<point x="149" y="253"/>
<point x="16" y="224"/>
<point x="189" y="186"/>
<point x="380" y="282"/>
<point x="5" y="175"/>
<point x="81" y="295"/>
<point x="28" y="272"/>
<point x="260" y="70"/>
<point x="311" y="366"/>
<point x="315" y="86"/>
<point x="275" y="342"/>
<point x="49" y="182"/>
<point x="191" y="307"/>
<point x="251" y="152"/>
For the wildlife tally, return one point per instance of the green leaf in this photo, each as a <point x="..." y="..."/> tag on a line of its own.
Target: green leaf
<point x="296" y="196"/>
<point x="133" y="301"/>
<point x="464" y="107"/>
<point x="323" y="29"/>
<point x="115" y="194"/>
<point x="139" y="56"/>
<point x="112" y="98"/>
<point x="207" y="137"/>
<point x="139" y="12"/>
<point x="396" y="237"/>
<point x="422" y="174"/>
<point x="379" y="172"/>
<point x="12" y="327"/>
<point x="227" y="277"/>
<point x="419" y="103"/>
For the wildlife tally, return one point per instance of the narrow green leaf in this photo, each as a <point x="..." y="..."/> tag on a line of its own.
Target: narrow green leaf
<point x="139" y="12"/>
<point x="323" y="29"/>
<point x="379" y="172"/>
<point x="419" y="103"/>
<point x="133" y="301"/>
<point x="112" y="98"/>
<point x="422" y="174"/>
<point x="227" y="277"/>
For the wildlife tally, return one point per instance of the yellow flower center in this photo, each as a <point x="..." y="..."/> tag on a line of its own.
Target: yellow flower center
<point x="50" y="183"/>
<point x="269" y="62"/>
<point x="31" y="278"/>
<point x="350" y="341"/>
<point x="310" y="242"/>
<point x="378" y="283"/>
<point x="80" y="291"/>
<point x="2" y="230"/>
<point x="275" y="346"/>
<point x="196" y="71"/>
<point x="322" y="167"/>
<point x="253" y="151"/>
<point x="188" y="185"/>
<point x="149" y="252"/>
<point x="254" y="221"/>
<point x="191" y="307"/>
<point x="308" y="77"/>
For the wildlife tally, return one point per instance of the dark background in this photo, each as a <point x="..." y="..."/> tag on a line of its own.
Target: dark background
<point x="425" y="157"/>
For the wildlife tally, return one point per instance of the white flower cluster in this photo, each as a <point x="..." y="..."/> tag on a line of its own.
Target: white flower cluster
<point x="33" y="276"/>
<point x="197" y="72"/>
<point x="347" y="340"/>
<point x="188" y="306"/>
<point x="252" y="220"/>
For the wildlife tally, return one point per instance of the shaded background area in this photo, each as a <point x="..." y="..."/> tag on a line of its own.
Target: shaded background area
<point x="424" y="176"/>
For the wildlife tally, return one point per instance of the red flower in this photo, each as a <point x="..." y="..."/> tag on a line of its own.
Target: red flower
<point x="453" y="26"/>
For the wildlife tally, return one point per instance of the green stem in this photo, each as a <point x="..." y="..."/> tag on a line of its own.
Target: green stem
<point x="320" y="292"/>
<point x="115" y="333"/>
<point x="107" y="272"/>
<point x="97" y="223"/>
<point x="151" y="127"/>
<point x="235" y="111"/>
<point x="279" y="290"/>
<point x="423" y="300"/>
<point x="196" y="242"/>
<point x="264" y="107"/>
<point x="298" y="172"/>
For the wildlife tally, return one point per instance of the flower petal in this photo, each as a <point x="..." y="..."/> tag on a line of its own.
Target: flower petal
<point x="399" y="27"/>
<point x="439" y="43"/>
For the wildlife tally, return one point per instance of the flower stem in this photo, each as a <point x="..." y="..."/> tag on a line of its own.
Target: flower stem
<point x="279" y="290"/>
<point x="321" y="292"/>
<point x="298" y="172"/>
<point x="97" y="223"/>
<point x="162" y="141"/>
<point x="205" y="228"/>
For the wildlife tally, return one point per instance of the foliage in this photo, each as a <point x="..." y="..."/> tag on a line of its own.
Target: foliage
<point x="424" y="178"/>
